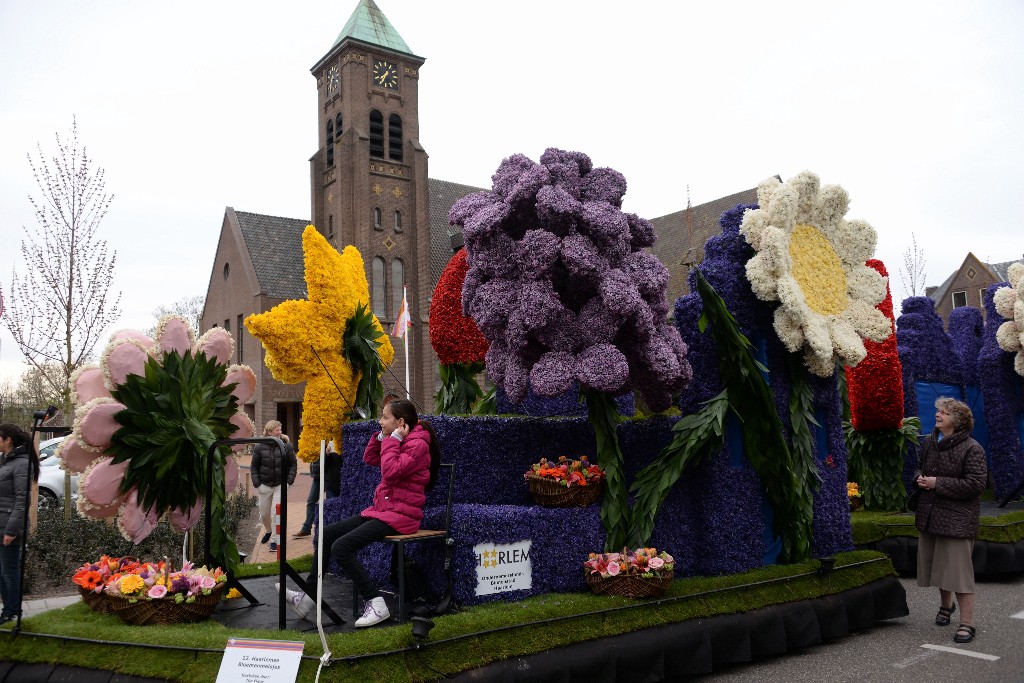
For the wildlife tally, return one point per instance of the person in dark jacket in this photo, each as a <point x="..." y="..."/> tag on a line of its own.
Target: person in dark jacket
<point x="17" y="463"/>
<point x="408" y="454"/>
<point x="269" y="469"/>
<point x="951" y="478"/>
<point x="332" y="486"/>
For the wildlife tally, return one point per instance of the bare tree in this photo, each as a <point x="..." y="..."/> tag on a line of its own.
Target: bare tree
<point x="188" y="307"/>
<point x="912" y="273"/>
<point x="58" y="310"/>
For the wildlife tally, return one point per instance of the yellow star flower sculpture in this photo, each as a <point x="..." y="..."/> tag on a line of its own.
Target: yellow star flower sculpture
<point x="336" y="285"/>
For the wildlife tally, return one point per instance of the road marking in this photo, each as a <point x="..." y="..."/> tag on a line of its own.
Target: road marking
<point x="957" y="651"/>
<point x="914" y="659"/>
<point x="1018" y="615"/>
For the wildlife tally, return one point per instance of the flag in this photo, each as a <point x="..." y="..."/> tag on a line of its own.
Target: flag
<point x="403" y="321"/>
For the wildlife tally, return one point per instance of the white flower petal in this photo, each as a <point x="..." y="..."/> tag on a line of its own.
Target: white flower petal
<point x="790" y="332"/>
<point x="866" y="284"/>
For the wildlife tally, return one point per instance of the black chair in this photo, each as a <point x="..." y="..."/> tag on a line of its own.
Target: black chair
<point x="421" y="536"/>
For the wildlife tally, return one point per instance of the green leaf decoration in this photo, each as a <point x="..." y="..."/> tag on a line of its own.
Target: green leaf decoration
<point x="173" y="414"/>
<point x="459" y="389"/>
<point x="748" y="395"/>
<point x="876" y="463"/>
<point x="615" y="514"/>
<point x="359" y="346"/>
<point x="488" y="405"/>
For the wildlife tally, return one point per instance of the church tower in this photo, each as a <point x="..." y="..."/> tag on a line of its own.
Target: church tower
<point x="369" y="178"/>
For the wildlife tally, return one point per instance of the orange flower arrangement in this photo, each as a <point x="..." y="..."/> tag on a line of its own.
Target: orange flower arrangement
<point x="567" y="472"/>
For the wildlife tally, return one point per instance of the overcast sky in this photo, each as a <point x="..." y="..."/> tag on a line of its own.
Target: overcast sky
<point x="914" y="107"/>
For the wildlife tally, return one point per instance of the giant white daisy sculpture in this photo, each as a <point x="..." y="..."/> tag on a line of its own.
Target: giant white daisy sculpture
<point x="811" y="260"/>
<point x="1009" y="302"/>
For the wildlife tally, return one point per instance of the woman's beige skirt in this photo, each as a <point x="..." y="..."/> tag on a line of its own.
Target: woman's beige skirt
<point x="945" y="562"/>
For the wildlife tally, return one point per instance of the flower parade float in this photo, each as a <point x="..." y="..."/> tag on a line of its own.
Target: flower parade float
<point x="877" y="436"/>
<point x="544" y="225"/>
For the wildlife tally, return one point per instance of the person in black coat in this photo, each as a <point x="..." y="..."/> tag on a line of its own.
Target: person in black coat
<point x="19" y="462"/>
<point x="269" y="469"/>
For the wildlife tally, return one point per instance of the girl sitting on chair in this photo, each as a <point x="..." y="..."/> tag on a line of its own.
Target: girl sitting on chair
<point x="408" y="454"/>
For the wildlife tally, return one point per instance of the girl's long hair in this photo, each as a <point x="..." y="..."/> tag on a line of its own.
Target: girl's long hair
<point x="19" y="438"/>
<point x="401" y="408"/>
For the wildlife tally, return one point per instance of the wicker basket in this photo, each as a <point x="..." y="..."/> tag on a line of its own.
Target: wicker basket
<point x="97" y="602"/>
<point x="164" y="611"/>
<point x="629" y="585"/>
<point x="856" y="503"/>
<point x="551" y="494"/>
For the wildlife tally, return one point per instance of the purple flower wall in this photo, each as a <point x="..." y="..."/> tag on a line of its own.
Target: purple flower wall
<point x="725" y="257"/>
<point x="1001" y="388"/>
<point x="565" y="404"/>
<point x="710" y="522"/>
<point x="966" y="330"/>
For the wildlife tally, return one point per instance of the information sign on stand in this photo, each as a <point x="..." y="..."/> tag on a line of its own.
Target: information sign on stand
<point x="249" y="660"/>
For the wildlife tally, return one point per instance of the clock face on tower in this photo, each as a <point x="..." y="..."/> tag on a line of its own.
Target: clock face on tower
<point x="385" y="74"/>
<point x="333" y="79"/>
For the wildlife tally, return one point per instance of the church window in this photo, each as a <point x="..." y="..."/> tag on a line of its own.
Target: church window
<point x="330" y="226"/>
<point x="395" y="137"/>
<point x="378" y="298"/>
<point x="398" y="221"/>
<point x="376" y="134"/>
<point x="330" y="143"/>
<point x="227" y="270"/>
<point x="397" y="281"/>
<point x="376" y="219"/>
<point x="337" y="127"/>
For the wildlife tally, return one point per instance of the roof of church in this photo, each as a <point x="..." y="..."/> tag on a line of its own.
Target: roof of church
<point x="442" y="195"/>
<point x="369" y="25"/>
<point x="681" y="236"/>
<point x="275" y="248"/>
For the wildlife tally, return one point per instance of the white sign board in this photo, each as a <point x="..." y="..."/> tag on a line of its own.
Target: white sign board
<point x="503" y="568"/>
<point x="248" y="660"/>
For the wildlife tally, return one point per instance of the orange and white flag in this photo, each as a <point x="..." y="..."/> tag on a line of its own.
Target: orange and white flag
<point x="403" y="321"/>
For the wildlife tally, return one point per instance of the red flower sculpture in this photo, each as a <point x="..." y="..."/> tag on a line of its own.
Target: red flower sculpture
<point x="454" y="336"/>
<point x="876" y="384"/>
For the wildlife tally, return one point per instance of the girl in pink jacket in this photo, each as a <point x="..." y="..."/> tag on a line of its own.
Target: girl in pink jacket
<point x="407" y="452"/>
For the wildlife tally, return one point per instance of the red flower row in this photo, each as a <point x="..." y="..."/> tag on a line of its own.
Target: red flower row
<point x="875" y="386"/>
<point x="454" y="336"/>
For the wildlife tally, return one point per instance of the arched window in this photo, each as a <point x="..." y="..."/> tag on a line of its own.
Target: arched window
<point x="376" y="134"/>
<point x="330" y="143"/>
<point x="397" y="281"/>
<point x="395" y="137"/>
<point x="398" y="221"/>
<point x="378" y="298"/>
<point x="376" y="219"/>
<point x="337" y="127"/>
<point x="330" y="227"/>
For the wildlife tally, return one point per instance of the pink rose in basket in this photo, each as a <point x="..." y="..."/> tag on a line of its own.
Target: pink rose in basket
<point x="207" y="583"/>
<point x="613" y="568"/>
<point x="156" y="592"/>
<point x="655" y="563"/>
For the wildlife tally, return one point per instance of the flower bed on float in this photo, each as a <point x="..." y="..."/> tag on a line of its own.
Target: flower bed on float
<point x="999" y="367"/>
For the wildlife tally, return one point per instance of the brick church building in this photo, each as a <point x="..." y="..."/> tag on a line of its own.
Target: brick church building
<point x="370" y="188"/>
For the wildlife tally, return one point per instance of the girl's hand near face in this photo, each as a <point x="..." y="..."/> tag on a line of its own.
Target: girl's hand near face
<point x="403" y="430"/>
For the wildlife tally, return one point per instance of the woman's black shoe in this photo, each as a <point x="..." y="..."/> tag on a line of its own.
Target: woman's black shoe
<point x="266" y="537"/>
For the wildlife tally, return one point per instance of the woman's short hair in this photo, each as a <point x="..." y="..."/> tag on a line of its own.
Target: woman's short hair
<point x="963" y="418"/>
<point x="271" y="426"/>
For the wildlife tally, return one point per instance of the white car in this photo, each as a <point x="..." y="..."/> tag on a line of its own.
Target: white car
<point x="51" y="476"/>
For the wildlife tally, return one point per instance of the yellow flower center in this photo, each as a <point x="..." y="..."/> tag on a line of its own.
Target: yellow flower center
<point x="818" y="270"/>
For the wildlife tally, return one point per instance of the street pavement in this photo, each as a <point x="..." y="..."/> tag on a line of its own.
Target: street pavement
<point x="913" y="648"/>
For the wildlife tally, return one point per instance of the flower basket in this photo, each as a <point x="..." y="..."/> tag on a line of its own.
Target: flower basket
<point x="163" y="611"/>
<point x="856" y="503"/>
<point x="550" y="493"/>
<point x="97" y="602"/>
<point x="630" y="585"/>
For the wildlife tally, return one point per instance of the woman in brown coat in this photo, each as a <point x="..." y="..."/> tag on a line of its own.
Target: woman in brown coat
<point x="951" y="477"/>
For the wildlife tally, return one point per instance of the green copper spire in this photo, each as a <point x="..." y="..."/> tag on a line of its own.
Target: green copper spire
<point x="369" y="25"/>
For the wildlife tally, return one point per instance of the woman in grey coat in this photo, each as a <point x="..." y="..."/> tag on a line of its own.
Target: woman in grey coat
<point x="951" y="478"/>
<point x="17" y="464"/>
